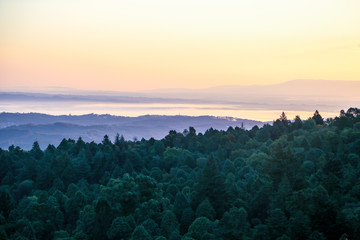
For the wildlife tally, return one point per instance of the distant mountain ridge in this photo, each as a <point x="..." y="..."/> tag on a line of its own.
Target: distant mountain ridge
<point x="296" y="95"/>
<point x="22" y="129"/>
<point x="330" y="94"/>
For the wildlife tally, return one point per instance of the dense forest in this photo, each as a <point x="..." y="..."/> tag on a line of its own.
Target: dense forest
<point x="296" y="179"/>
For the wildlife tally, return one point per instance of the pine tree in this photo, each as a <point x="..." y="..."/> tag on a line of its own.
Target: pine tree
<point x="206" y="210"/>
<point x="317" y="118"/>
<point x="140" y="234"/>
<point x="169" y="223"/>
<point x="211" y="185"/>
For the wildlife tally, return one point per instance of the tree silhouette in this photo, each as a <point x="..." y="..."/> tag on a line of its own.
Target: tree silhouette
<point x="317" y="118"/>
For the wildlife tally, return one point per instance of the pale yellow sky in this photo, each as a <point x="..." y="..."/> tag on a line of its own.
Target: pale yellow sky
<point x="138" y="45"/>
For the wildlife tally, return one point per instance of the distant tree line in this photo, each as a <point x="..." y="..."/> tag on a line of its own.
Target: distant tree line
<point x="295" y="179"/>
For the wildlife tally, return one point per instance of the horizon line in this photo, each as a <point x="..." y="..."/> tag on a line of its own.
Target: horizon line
<point x="58" y="89"/>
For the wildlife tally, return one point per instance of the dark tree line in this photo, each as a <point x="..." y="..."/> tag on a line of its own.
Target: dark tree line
<point x="289" y="180"/>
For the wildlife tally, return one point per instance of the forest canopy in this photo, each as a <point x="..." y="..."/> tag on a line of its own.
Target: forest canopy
<point x="296" y="179"/>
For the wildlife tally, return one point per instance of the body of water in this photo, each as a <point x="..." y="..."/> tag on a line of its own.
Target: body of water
<point x="138" y="109"/>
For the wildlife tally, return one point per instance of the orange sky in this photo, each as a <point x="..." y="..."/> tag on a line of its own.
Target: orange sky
<point x="138" y="45"/>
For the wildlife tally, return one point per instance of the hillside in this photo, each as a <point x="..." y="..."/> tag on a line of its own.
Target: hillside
<point x="23" y="129"/>
<point x="289" y="180"/>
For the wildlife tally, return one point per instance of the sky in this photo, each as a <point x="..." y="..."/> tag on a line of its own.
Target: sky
<point x="132" y="45"/>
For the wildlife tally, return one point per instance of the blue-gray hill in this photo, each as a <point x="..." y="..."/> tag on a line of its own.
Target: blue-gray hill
<point x="22" y="129"/>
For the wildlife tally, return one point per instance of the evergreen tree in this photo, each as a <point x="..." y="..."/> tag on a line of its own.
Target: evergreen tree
<point x="180" y="204"/>
<point x="317" y="118"/>
<point x="6" y="203"/>
<point x="297" y="124"/>
<point x="119" y="229"/>
<point x="36" y="151"/>
<point x="206" y="210"/>
<point x="169" y="223"/>
<point x="140" y="234"/>
<point x="187" y="217"/>
<point x="199" y="228"/>
<point x="211" y="185"/>
<point x="103" y="218"/>
<point x="276" y="222"/>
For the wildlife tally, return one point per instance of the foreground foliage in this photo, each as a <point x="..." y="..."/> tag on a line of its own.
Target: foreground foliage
<point x="289" y="180"/>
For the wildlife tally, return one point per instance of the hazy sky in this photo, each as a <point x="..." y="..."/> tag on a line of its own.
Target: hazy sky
<point x="136" y="45"/>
